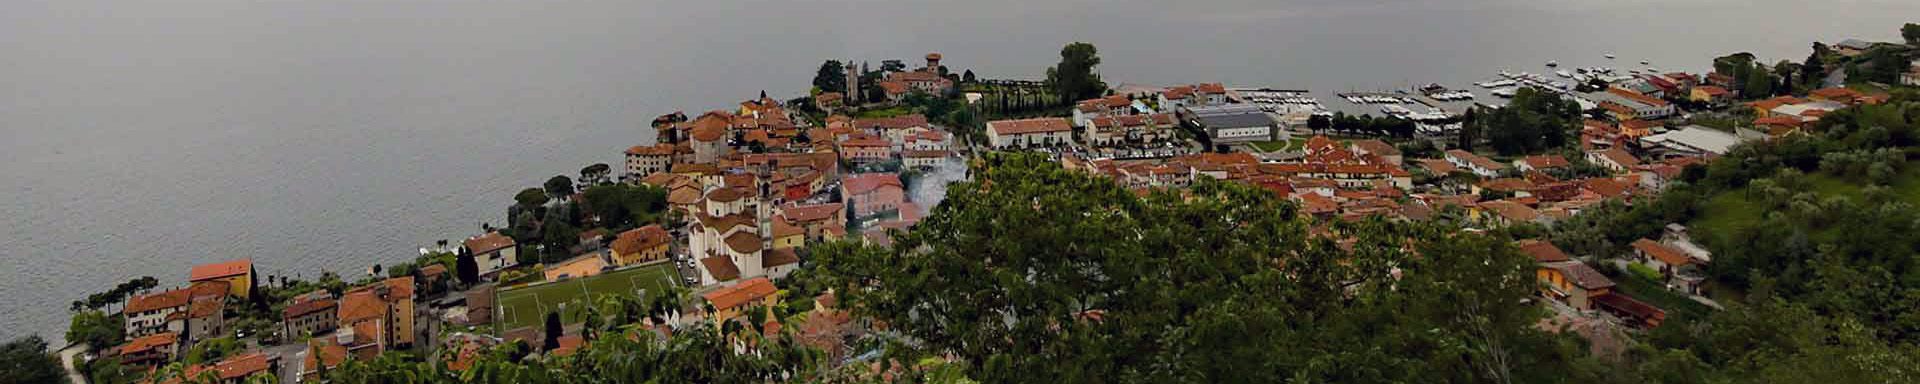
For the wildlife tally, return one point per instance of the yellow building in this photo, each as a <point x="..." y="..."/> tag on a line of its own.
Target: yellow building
<point x="238" y="275"/>
<point x="641" y="245"/>
<point x="731" y="301"/>
<point x="1573" y="283"/>
<point x="788" y="235"/>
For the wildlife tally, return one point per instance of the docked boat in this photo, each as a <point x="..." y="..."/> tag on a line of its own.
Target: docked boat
<point x="1608" y="55"/>
<point x="1552" y="63"/>
<point x="1562" y="73"/>
<point x="1505" y="92"/>
<point x="1643" y="62"/>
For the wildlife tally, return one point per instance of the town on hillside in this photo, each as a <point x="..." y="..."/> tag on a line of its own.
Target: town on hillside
<point x="711" y="226"/>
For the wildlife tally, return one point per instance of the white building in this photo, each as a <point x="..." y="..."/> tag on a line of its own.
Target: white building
<point x="1028" y="133"/>
<point x="1475" y="163"/>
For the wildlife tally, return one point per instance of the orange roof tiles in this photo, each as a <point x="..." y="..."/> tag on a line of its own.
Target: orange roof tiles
<point x="741" y="294"/>
<point x="743" y="242"/>
<point x="1542" y="251"/>
<point x="640" y="239"/>
<point x="721" y="268"/>
<point x="1662" y="252"/>
<point x="162" y="300"/>
<point x="222" y="269"/>
<point x="1028" y="126"/>
<point x="492" y="241"/>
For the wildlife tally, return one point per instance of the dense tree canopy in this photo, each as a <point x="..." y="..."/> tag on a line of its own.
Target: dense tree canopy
<point x="1075" y="78"/>
<point x="1535" y="121"/>
<point x="832" y="77"/>
<point x="1038" y="274"/>
<point x="26" y="361"/>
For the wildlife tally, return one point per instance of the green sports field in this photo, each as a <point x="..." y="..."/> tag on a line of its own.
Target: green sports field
<point x="527" y="307"/>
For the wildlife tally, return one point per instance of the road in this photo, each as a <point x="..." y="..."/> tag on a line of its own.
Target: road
<point x="67" y="356"/>
<point x="293" y="359"/>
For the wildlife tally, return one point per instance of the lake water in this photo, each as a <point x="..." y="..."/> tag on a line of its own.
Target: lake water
<point x="141" y="138"/>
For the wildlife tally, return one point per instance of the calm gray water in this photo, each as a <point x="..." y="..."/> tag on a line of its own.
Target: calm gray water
<point x="143" y="137"/>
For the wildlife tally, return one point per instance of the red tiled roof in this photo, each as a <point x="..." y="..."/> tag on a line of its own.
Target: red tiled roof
<point x="711" y="126"/>
<point x="896" y="87"/>
<point x="1545" y="161"/>
<point x="923" y="154"/>
<point x="1027" y="126"/>
<point x="1581" y="275"/>
<point x="744" y="242"/>
<point x="492" y="241"/>
<point x="639" y="239"/>
<point x="1438" y="166"/>
<point x="1211" y="88"/>
<point x="1713" y="91"/>
<point x="869" y="182"/>
<point x="654" y="150"/>
<point x="721" y="268"/>
<point x="1476" y="159"/>
<point x="1620" y="156"/>
<point x="741" y="294"/>
<point x="804" y="213"/>
<point x="1542" y="251"/>
<point x="1511" y="210"/>
<point x="1834" y="93"/>
<point x="779" y="257"/>
<point x="1376" y="147"/>
<point x="205" y="308"/>
<point x="361" y="305"/>
<point x="162" y="300"/>
<point x="237" y="367"/>
<point x="149" y="343"/>
<point x="222" y="269"/>
<point x="1662" y="252"/>
<point x="306" y="307"/>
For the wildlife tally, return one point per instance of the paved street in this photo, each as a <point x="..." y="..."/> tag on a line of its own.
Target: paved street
<point x="67" y="359"/>
<point x="293" y="358"/>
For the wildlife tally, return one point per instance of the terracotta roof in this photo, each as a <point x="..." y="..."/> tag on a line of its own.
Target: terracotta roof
<point x="149" y="343"/>
<point x="934" y="154"/>
<point x="1507" y="184"/>
<point x="1211" y="88"/>
<point x="1619" y="156"/>
<point x="721" y="268"/>
<point x="865" y="141"/>
<point x="897" y="122"/>
<point x="1542" y="251"/>
<point x="234" y="368"/>
<point x="710" y="127"/>
<point x="829" y="97"/>
<point x="724" y="195"/>
<point x="815" y="212"/>
<point x="1438" y="166"/>
<point x="779" y="257"/>
<point x="688" y="195"/>
<point x="1581" y="275"/>
<point x="1028" y="126"/>
<point x="723" y="223"/>
<point x="1511" y="210"/>
<point x="895" y="87"/>
<point x="1180" y="92"/>
<point x="640" y="239"/>
<point x="1834" y="93"/>
<point x="305" y="307"/>
<point x="206" y="308"/>
<point x="695" y="168"/>
<point x="742" y="293"/>
<point x="222" y="269"/>
<point x="1476" y="159"/>
<point x="1713" y="91"/>
<point x="1376" y="147"/>
<point x="782" y="229"/>
<point x="432" y="270"/>
<point x="1662" y="252"/>
<point x="361" y="305"/>
<point x="868" y="182"/>
<point x="162" y="300"/>
<point x="1607" y="187"/>
<point x="1636" y="96"/>
<point x="492" y="241"/>
<point x="744" y="242"/>
<point x="653" y="150"/>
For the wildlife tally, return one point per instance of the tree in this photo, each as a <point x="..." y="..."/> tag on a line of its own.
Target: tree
<point x="595" y="174"/>
<point x="559" y="186"/>
<point x="1910" y="32"/>
<point x="26" y="360"/>
<point x="530" y="197"/>
<point x="967" y="77"/>
<point x="1319" y="123"/>
<point x="1814" y="70"/>
<point x="1075" y="78"/>
<point x="1758" y="84"/>
<point x="211" y="350"/>
<point x="552" y="341"/>
<point x="832" y="77"/>
<point x="96" y="328"/>
<point x="466" y="268"/>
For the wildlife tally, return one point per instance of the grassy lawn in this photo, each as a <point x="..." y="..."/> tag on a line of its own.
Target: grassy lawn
<point x="889" y="112"/>
<point x="1655" y="294"/>
<point x="527" y="307"/>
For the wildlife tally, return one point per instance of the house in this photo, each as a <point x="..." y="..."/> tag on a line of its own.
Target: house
<point x="1541" y="163"/>
<point x="577" y="267"/>
<point x="872" y="193"/>
<point x="1030" y="133"/>
<point x="309" y="314"/>
<point x="893" y="129"/>
<point x="816" y="218"/>
<point x="924" y="81"/>
<point x="1375" y="147"/>
<point x="492" y="252"/>
<point x="1912" y="76"/>
<point x="648" y="160"/>
<point x="234" y="370"/>
<point x="865" y="148"/>
<point x="1233" y="124"/>
<point x="1107" y="131"/>
<point x="1852" y="47"/>
<point x="1572" y="283"/>
<point x="1613" y="159"/>
<point x="928" y="140"/>
<point x="829" y="101"/>
<point x="1711" y="94"/>
<point x="922" y="159"/>
<point x="787" y="235"/>
<point x="1438" y="167"/>
<point x="1086" y="110"/>
<point x="1811" y="110"/>
<point x="1837" y="95"/>
<point x="381" y="312"/>
<point x="1187" y="96"/>
<point x="640" y="245"/>
<point x="731" y="301"/>
<point x="1777" y="126"/>
<point x="1696" y="140"/>
<point x="1506" y="213"/>
<point x="709" y="133"/>
<point x="1765" y="107"/>
<point x="152" y="350"/>
<point x="1474" y="163"/>
<point x="1659" y="256"/>
<point x="237" y="273"/>
<point x="205" y="319"/>
<point x="148" y="314"/>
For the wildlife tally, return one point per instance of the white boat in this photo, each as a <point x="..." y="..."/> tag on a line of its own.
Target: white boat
<point x="1562" y="73"/>
<point x="1609" y="55"/>
<point x="1552" y="63"/>
<point x="1643" y="62"/>
<point x="1505" y="92"/>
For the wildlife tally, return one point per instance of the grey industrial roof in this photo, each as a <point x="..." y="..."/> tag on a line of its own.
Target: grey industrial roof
<point x="1238" y="120"/>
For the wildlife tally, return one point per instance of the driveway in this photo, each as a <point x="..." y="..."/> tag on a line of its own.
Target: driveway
<point x="67" y="357"/>
<point x="293" y="359"/>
